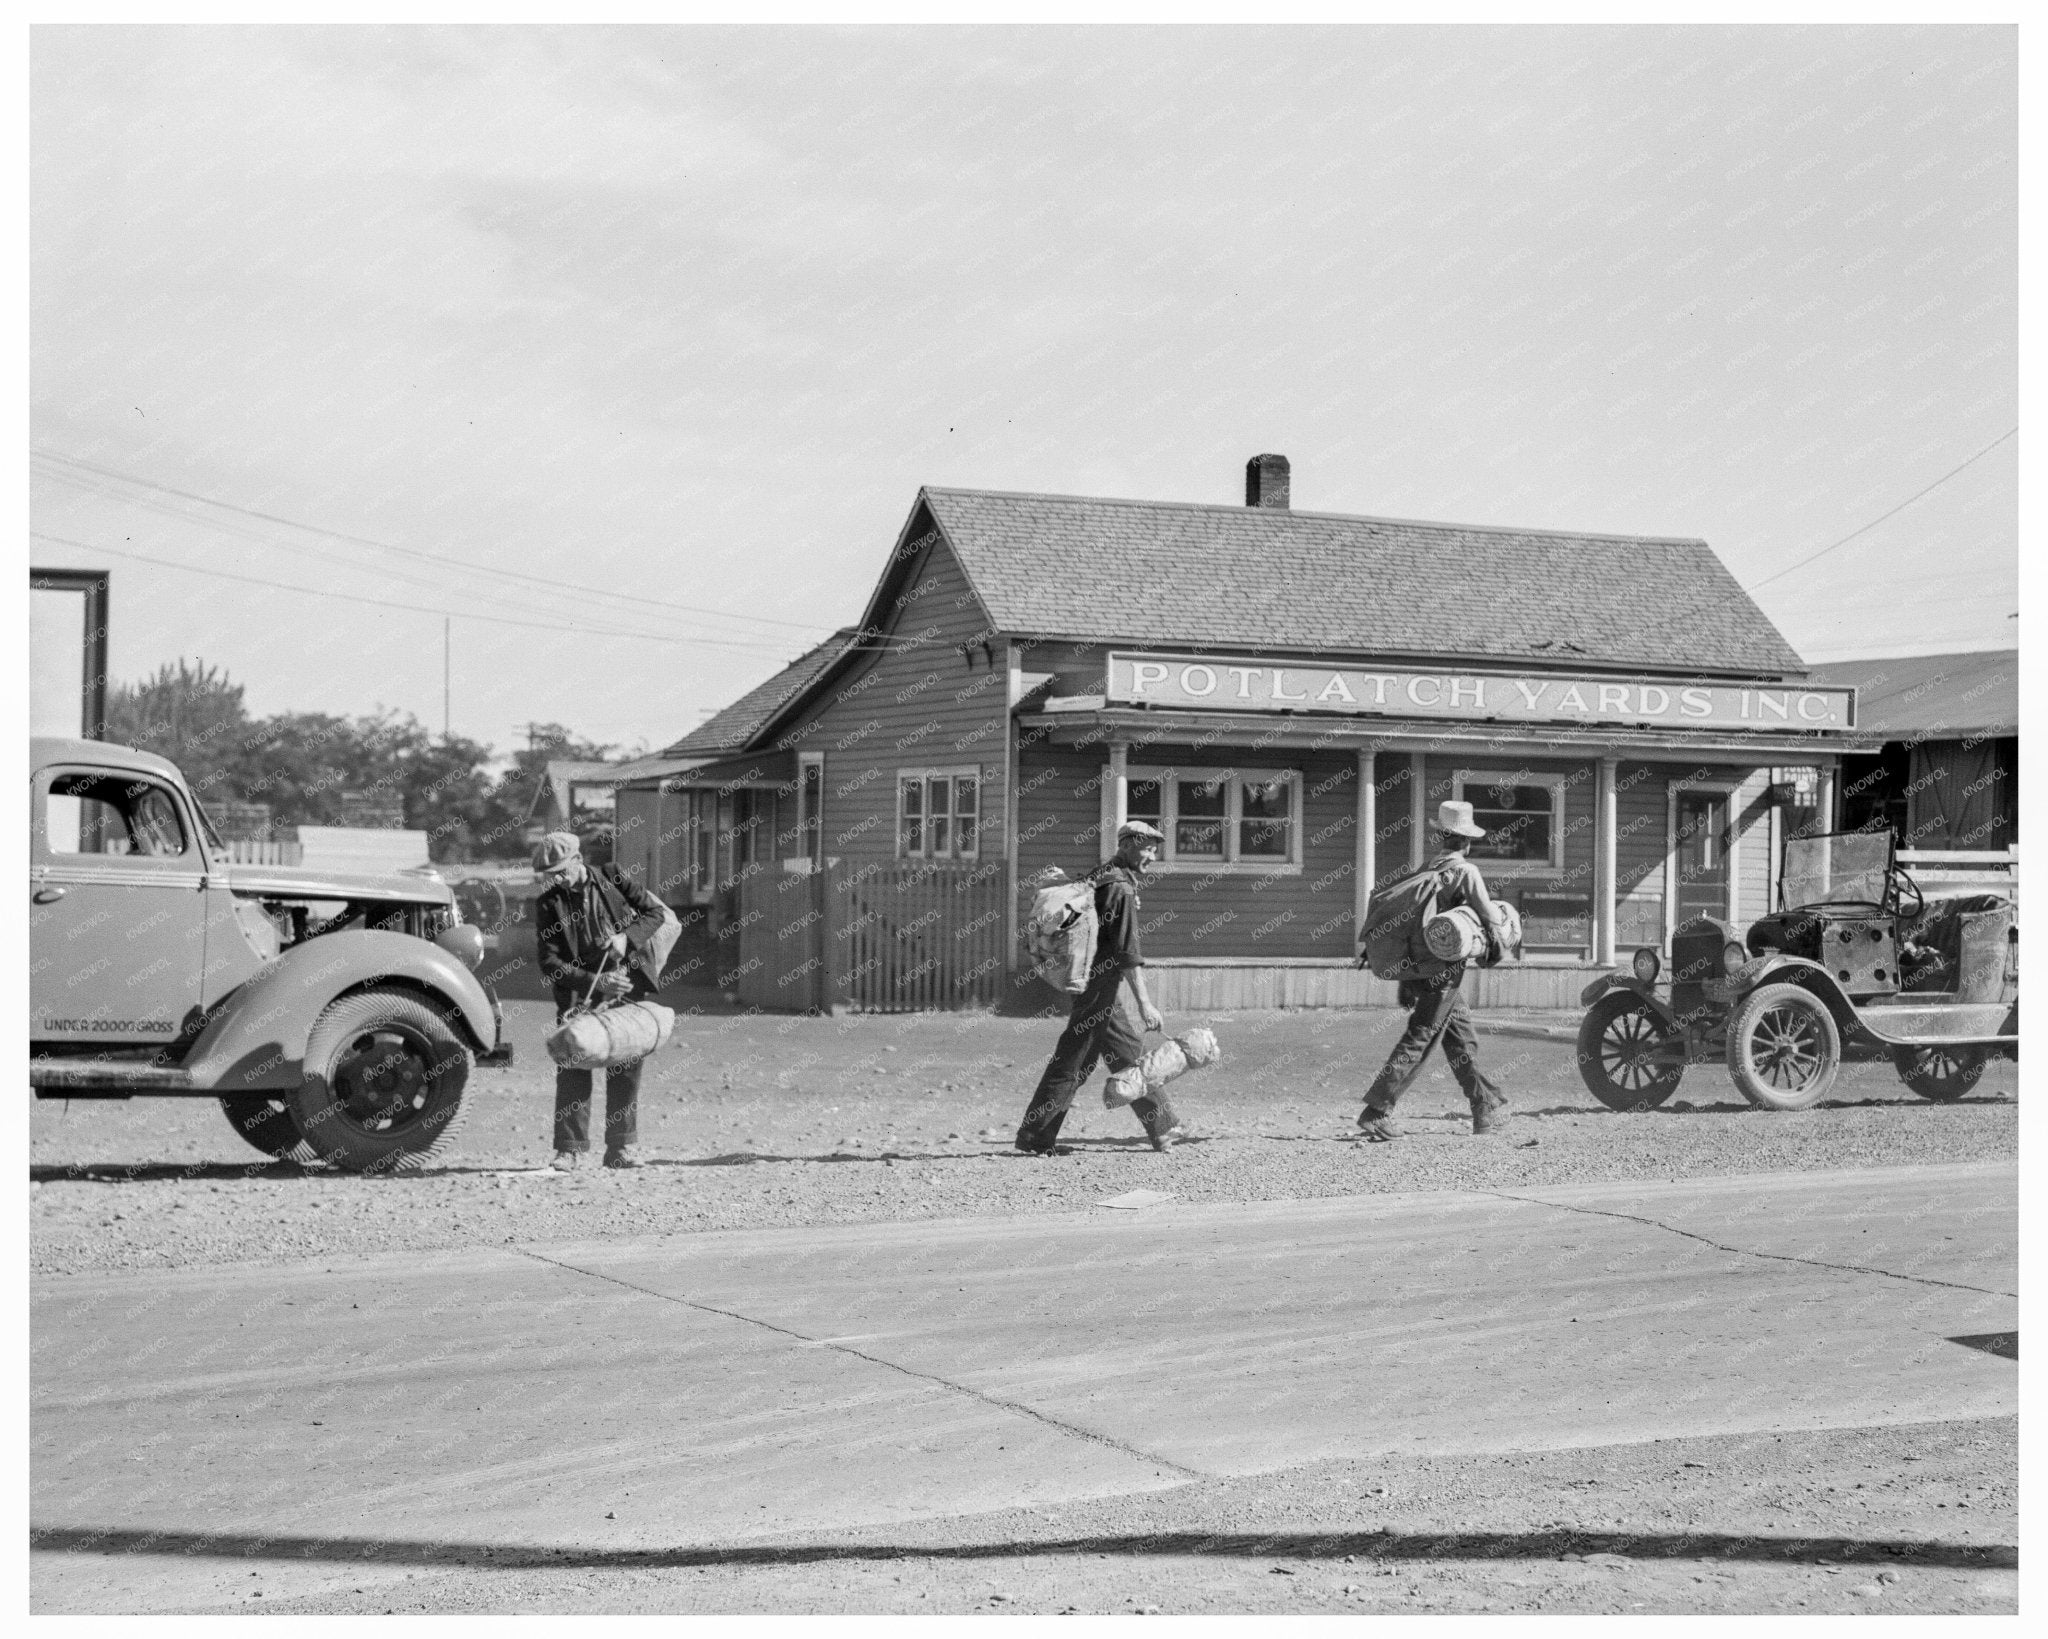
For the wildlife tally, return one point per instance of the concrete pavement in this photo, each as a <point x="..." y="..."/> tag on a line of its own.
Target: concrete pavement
<point x="339" y="1421"/>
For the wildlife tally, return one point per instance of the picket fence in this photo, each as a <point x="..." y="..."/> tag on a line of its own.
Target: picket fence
<point x="885" y="938"/>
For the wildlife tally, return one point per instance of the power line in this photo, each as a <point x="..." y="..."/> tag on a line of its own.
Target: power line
<point x="1880" y="518"/>
<point x="410" y="552"/>
<point x="382" y="603"/>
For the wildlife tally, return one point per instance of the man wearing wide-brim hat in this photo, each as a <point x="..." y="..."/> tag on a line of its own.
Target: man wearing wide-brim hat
<point x="1436" y="1009"/>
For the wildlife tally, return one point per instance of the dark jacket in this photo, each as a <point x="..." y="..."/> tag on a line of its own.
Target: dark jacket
<point x="1116" y="917"/>
<point x="572" y="926"/>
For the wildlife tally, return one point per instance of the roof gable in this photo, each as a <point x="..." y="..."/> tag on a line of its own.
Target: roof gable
<point x="1175" y="573"/>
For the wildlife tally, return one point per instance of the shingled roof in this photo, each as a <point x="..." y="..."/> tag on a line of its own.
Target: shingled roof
<point x="1938" y="695"/>
<point x="733" y="727"/>
<point x="1176" y="573"/>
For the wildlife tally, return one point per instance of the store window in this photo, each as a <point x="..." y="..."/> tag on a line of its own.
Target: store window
<point x="938" y="813"/>
<point x="1522" y="814"/>
<point x="1220" y="817"/>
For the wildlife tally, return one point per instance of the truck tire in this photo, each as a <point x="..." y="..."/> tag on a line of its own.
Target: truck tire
<point x="266" y="1123"/>
<point x="1783" y="1048"/>
<point x="383" y="1083"/>
<point x="1942" y="1074"/>
<point x="1615" y="1040"/>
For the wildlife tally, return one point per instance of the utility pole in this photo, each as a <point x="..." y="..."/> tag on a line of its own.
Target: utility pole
<point x="446" y="623"/>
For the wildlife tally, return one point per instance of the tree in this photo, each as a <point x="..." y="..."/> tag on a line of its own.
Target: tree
<point x="193" y="715"/>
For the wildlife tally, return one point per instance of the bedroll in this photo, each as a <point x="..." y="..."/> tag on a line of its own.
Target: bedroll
<point x="1060" y="934"/>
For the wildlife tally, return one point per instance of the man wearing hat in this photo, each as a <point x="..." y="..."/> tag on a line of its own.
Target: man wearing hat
<point x="1436" y="1010"/>
<point x="593" y="926"/>
<point x="1096" y="1026"/>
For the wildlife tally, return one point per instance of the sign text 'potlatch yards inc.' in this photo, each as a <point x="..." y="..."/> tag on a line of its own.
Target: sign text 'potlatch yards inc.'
<point x="1219" y="684"/>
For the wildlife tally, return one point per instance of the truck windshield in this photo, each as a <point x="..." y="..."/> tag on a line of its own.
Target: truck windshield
<point x="1848" y="868"/>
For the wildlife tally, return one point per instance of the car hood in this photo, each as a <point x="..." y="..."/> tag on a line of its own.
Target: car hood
<point x="298" y="882"/>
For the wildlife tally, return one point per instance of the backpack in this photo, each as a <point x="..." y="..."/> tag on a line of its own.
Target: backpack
<point x="1060" y="932"/>
<point x="1391" y="941"/>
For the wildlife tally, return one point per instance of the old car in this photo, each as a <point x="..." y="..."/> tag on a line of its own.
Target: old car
<point x="334" y="1016"/>
<point x="1857" y="964"/>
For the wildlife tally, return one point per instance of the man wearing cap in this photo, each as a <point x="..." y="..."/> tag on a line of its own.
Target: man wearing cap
<point x="591" y="925"/>
<point x="1096" y="1026"/>
<point x="1436" y="1010"/>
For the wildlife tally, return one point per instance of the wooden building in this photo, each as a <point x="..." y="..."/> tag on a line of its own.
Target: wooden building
<point x="1287" y="695"/>
<point x="1946" y="776"/>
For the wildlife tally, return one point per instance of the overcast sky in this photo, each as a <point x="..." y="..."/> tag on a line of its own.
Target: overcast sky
<point x="686" y="317"/>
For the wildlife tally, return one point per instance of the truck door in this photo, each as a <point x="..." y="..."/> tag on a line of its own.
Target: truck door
<point x="117" y="908"/>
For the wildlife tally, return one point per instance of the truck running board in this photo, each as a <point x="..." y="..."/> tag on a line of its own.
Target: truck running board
<point x="106" y="1076"/>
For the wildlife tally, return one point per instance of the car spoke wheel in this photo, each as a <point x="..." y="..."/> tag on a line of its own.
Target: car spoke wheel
<point x="266" y="1123"/>
<point x="1783" y="1048"/>
<point x="1942" y="1074"/>
<point x="383" y="1083"/>
<point x="1626" y="1055"/>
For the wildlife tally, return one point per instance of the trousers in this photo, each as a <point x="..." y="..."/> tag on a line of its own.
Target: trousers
<point x="1096" y="1031"/>
<point x="621" y="1107"/>
<point x="1436" y="1012"/>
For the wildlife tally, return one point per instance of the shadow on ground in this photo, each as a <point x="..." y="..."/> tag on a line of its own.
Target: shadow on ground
<point x="1330" y="1545"/>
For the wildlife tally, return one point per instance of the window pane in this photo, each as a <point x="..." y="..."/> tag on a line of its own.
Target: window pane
<point x="967" y="836"/>
<point x="154" y="820"/>
<point x="1142" y="799"/>
<point x="1519" y="821"/>
<point x="1198" y="827"/>
<point x="1263" y="821"/>
<point x="913" y="798"/>
<point x="966" y="792"/>
<point x="940" y="827"/>
<point x="911" y="842"/>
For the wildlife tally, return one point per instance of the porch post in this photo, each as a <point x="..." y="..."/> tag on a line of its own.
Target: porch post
<point x="1824" y="805"/>
<point x="1119" y="794"/>
<point x="1605" y="845"/>
<point x="1368" y="822"/>
<point x="1418" y="812"/>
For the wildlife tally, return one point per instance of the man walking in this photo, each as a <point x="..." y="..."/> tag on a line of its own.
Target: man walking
<point x="1096" y="1026"/>
<point x="591" y="927"/>
<point x="1436" y="1010"/>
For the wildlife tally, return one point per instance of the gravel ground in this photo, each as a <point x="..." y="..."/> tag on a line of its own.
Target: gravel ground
<point x="1911" y="1519"/>
<point x="751" y="1120"/>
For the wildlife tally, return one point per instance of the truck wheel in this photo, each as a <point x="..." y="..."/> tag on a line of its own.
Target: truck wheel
<point x="1617" y="1040"/>
<point x="1943" y="1074"/>
<point x="384" y="1075"/>
<point x="1783" y="1048"/>
<point x="267" y="1123"/>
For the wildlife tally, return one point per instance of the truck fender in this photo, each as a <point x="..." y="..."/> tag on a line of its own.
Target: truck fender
<point x="256" y="1041"/>
<point x="1797" y="970"/>
<point x="1627" y="981"/>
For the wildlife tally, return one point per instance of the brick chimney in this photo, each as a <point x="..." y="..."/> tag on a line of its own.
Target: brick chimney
<point x="1265" y="481"/>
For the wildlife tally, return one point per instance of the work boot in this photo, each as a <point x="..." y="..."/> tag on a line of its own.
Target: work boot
<point x="567" y="1160"/>
<point x="1490" y="1116"/>
<point x="622" y="1160"/>
<point x="1373" y="1127"/>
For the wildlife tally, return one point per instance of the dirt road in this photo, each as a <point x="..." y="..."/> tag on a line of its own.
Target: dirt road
<point x="760" y="1126"/>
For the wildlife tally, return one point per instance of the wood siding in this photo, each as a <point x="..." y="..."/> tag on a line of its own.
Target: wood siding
<point x="1189" y="910"/>
<point x="932" y="698"/>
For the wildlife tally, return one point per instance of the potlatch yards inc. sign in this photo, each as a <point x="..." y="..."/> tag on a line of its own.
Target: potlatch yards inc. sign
<point x="1216" y="683"/>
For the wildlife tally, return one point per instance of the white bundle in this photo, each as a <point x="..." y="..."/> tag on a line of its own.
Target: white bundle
<point x="613" y="1035"/>
<point x="1454" y="936"/>
<point x="1171" y="1058"/>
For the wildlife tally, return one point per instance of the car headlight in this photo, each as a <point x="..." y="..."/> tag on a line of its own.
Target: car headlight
<point x="1732" y="958"/>
<point x="464" y="943"/>
<point x="1647" y="966"/>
